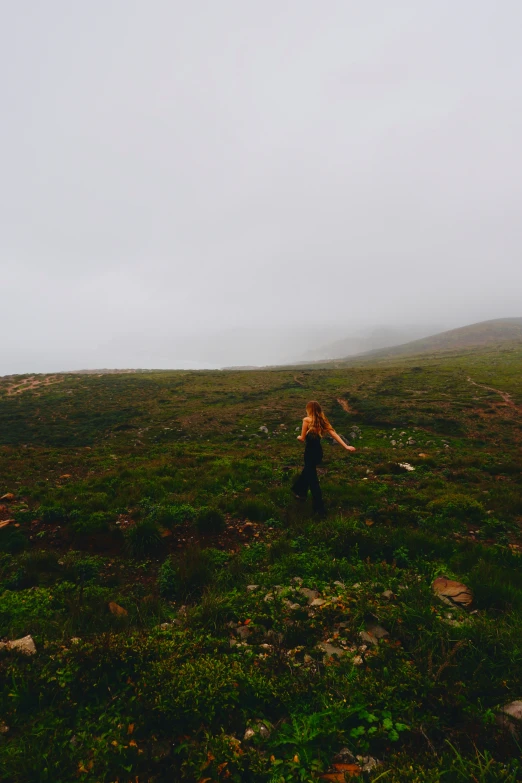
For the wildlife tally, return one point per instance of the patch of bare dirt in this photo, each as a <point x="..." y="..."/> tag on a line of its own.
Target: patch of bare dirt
<point x="31" y="383"/>
<point x="344" y="405"/>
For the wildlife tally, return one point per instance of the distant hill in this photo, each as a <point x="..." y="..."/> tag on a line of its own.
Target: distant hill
<point x="480" y="335"/>
<point x="363" y="341"/>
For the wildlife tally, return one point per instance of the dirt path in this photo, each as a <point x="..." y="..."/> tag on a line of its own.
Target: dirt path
<point x="31" y="383"/>
<point x="505" y="395"/>
<point x="344" y="405"/>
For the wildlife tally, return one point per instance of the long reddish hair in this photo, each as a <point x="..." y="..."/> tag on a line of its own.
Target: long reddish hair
<point x="319" y="424"/>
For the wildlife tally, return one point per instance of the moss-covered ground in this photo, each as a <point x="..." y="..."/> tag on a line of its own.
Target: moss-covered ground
<point x="160" y="494"/>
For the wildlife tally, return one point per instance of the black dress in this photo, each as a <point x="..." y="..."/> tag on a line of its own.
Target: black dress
<point x="308" y="480"/>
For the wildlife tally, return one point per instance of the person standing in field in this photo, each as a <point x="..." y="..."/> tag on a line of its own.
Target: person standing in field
<point x="315" y="425"/>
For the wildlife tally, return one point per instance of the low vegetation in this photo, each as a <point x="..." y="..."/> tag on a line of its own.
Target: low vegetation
<point x="193" y="621"/>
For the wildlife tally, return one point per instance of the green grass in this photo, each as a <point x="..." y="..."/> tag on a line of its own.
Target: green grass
<point x="160" y="492"/>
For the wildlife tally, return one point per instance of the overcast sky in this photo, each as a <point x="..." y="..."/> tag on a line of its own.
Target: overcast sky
<point x="177" y="177"/>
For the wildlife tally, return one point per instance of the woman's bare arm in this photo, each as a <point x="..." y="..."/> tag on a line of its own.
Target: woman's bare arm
<point x="304" y="429"/>
<point x="338" y="438"/>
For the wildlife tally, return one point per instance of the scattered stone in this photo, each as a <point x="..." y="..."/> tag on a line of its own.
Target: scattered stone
<point x="263" y="429"/>
<point x="8" y="496"/>
<point x="339" y="584"/>
<point x="6" y="522"/>
<point x="368" y="763"/>
<point x="296" y="580"/>
<point x="423" y="455"/>
<point x="4" y="728"/>
<point x="243" y="631"/>
<point x="251" y="588"/>
<point x="310" y="595"/>
<point x="451" y="592"/>
<point x="117" y="609"/>
<point x="249" y="733"/>
<point x="330" y="650"/>
<point x="406" y="466"/>
<point x="388" y="594"/>
<point x="318" y="602"/>
<point x="373" y="633"/>
<point x="263" y="731"/>
<point x="510" y="716"/>
<point x="24" y="645"/>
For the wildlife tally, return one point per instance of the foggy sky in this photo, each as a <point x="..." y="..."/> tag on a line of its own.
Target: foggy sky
<point x="232" y="182"/>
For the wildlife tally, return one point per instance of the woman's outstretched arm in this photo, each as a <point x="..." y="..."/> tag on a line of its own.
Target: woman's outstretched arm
<point x="338" y="438"/>
<point x="304" y="429"/>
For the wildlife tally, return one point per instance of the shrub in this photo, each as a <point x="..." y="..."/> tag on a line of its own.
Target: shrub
<point x="87" y="525"/>
<point x="143" y="538"/>
<point x="169" y="515"/>
<point x="256" y="510"/>
<point x="210" y="520"/>
<point x="51" y="514"/>
<point x="462" y="508"/>
<point x="189" y="573"/>
<point x="12" y="540"/>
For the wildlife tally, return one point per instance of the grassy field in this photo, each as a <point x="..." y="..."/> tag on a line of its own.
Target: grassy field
<point x="194" y="622"/>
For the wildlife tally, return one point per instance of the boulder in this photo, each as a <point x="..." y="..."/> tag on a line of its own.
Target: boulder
<point x="451" y="592"/>
<point x="510" y="717"/>
<point x="310" y="595"/>
<point x="116" y="609"/>
<point x="24" y="645"/>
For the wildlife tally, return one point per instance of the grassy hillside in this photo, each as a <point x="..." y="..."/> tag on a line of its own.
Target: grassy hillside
<point x="193" y="621"/>
<point x="486" y="334"/>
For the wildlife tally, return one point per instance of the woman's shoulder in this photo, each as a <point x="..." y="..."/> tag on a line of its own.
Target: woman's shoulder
<point x="307" y="418"/>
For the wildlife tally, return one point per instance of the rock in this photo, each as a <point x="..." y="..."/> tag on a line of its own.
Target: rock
<point x="318" y="602"/>
<point x="4" y="728"/>
<point x="8" y="496"/>
<point x="310" y="595"/>
<point x="249" y="733"/>
<point x="388" y="594"/>
<point x="510" y="717"/>
<point x="6" y="522"/>
<point x="24" y="645"/>
<point x="345" y="755"/>
<point x="373" y="633"/>
<point x="65" y="476"/>
<point x="368" y="763"/>
<point x="263" y="731"/>
<point x="296" y="580"/>
<point x="263" y="429"/>
<point x="393" y="442"/>
<point x="117" y="609"/>
<point x="243" y="631"/>
<point x="330" y="650"/>
<point x="423" y="455"/>
<point x="406" y="466"/>
<point x="251" y="588"/>
<point x="337" y="583"/>
<point x="451" y="592"/>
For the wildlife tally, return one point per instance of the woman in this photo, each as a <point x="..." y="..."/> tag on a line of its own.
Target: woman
<point x="315" y="425"/>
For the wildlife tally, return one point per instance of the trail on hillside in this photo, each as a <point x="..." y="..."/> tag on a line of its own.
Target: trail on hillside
<point x="508" y="399"/>
<point x="31" y="383"/>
